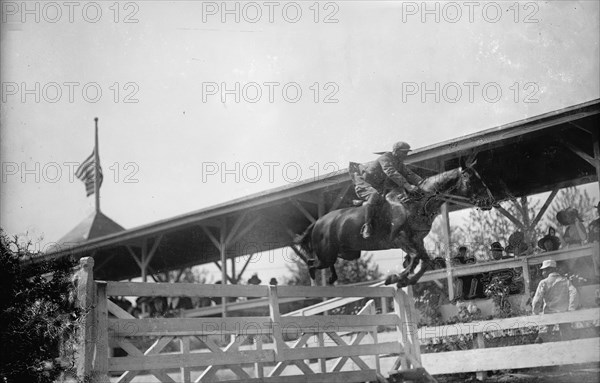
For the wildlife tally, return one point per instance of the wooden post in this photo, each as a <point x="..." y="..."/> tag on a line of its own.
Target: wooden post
<point x="447" y="254"/>
<point x="100" y="374"/>
<point x="401" y="329"/>
<point x="84" y="278"/>
<point x="276" y="323"/>
<point x="185" y="350"/>
<point x="258" y="366"/>
<point x="479" y="343"/>
<point x="526" y="278"/>
<point x="412" y="323"/>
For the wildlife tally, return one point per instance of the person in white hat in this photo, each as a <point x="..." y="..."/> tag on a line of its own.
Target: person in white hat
<point x="555" y="293"/>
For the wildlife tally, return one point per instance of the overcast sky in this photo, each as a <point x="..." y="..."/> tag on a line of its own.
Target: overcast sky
<point x="165" y="130"/>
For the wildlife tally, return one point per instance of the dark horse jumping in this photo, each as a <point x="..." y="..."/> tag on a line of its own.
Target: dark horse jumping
<point x="398" y="224"/>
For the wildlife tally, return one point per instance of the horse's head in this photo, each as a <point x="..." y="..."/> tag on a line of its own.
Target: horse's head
<point x="474" y="187"/>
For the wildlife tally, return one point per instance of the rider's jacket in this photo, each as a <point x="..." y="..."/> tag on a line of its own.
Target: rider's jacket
<point x="387" y="166"/>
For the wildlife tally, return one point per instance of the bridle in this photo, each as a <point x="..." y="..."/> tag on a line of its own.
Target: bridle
<point x="464" y="201"/>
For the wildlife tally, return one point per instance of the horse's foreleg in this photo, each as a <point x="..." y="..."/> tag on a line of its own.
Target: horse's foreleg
<point x="334" y="276"/>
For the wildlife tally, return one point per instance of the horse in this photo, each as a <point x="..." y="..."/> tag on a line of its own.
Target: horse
<point x="397" y="224"/>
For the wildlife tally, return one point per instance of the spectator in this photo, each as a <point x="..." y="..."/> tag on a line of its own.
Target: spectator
<point x="556" y="294"/>
<point x="594" y="228"/>
<point x="273" y="282"/>
<point x="549" y="242"/>
<point x="575" y="233"/>
<point x="496" y="249"/>
<point x="254" y="280"/>
<point x="516" y="245"/>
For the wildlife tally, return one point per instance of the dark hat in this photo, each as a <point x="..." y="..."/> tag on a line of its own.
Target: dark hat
<point x="555" y="240"/>
<point x="462" y="248"/>
<point x="516" y="244"/>
<point x="273" y="281"/>
<point x="254" y="280"/>
<point x="496" y="246"/>
<point x="568" y="216"/>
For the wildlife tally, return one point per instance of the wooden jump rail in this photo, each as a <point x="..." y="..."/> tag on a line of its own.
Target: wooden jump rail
<point x="107" y="326"/>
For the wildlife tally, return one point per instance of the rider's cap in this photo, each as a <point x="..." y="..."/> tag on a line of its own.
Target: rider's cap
<point x="401" y="146"/>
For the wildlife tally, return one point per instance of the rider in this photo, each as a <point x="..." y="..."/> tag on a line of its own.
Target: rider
<point x="374" y="178"/>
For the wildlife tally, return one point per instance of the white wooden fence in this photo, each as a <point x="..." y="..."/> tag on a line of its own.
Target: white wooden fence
<point x="256" y="348"/>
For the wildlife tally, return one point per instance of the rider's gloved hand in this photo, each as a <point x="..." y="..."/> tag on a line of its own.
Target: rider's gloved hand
<point x="412" y="189"/>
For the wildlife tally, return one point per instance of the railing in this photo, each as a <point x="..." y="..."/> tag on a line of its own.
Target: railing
<point x="254" y="348"/>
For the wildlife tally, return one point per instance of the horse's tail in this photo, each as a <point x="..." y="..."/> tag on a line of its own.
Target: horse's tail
<point x="304" y="242"/>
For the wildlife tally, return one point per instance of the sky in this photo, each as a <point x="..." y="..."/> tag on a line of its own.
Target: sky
<point x="198" y="104"/>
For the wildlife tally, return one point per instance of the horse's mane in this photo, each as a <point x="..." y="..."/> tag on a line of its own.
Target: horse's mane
<point x="440" y="181"/>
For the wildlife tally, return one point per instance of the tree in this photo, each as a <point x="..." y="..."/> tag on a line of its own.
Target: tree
<point x="38" y="314"/>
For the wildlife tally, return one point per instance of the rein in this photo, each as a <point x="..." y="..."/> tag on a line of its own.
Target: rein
<point x="464" y="201"/>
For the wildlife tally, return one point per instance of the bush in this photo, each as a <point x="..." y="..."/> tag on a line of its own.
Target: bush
<point x="38" y="315"/>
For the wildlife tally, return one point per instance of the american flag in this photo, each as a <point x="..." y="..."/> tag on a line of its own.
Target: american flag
<point x="85" y="172"/>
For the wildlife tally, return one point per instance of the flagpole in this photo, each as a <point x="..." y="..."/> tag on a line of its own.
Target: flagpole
<point x="96" y="166"/>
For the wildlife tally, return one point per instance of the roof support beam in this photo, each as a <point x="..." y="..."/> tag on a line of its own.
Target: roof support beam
<point x="303" y="210"/>
<point x="581" y="153"/>
<point x="232" y="281"/>
<point x="236" y="226"/>
<point x="543" y="209"/>
<point x="245" y="230"/>
<point x="510" y="217"/>
<point x="340" y="197"/>
<point x="581" y="127"/>
<point x="239" y="276"/>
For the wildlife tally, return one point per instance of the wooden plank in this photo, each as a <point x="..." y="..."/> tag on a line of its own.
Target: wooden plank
<point x="114" y="309"/>
<point x="177" y="360"/>
<point x="189" y="326"/>
<point x="329" y="291"/>
<point x="140" y="289"/>
<point x="283" y="364"/>
<point x="524" y="356"/>
<point x="340" y="351"/>
<point x="337" y="323"/>
<point x="338" y="377"/>
<point x="235" y="306"/>
<point x="508" y="323"/>
<point x="154" y="349"/>
<point x="232" y="347"/>
<point x="340" y="342"/>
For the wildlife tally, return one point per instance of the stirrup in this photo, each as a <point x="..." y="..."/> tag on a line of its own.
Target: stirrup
<point x="365" y="231"/>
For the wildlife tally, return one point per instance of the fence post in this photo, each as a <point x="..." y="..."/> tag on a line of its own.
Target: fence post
<point x="100" y="374"/>
<point x="403" y="335"/>
<point x="276" y="323"/>
<point x="84" y="278"/>
<point x="479" y="343"/>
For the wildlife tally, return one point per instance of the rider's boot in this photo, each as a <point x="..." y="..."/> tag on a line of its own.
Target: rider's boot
<point x="367" y="229"/>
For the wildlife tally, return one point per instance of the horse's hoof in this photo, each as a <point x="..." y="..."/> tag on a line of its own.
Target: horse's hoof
<point x="311" y="271"/>
<point x="390" y="280"/>
<point x="331" y="281"/>
<point x="402" y="283"/>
